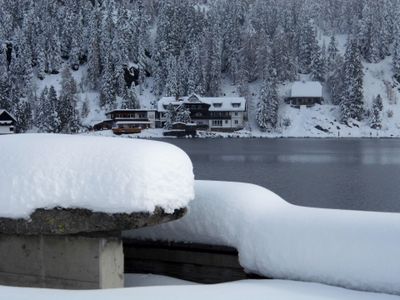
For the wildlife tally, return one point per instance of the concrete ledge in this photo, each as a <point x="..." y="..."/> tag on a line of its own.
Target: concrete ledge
<point x="60" y="221"/>
<point x="65" y="262"/>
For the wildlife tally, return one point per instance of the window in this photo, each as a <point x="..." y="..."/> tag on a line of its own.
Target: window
<point x="226" y="121"/>
<point x="236" y="105"/>
<point x="236" y="122"/>
<point x="11" y="128"/>
<point x="236" y="114"/>
<point x="217" y="105"/>
<point x="216" y="122"/>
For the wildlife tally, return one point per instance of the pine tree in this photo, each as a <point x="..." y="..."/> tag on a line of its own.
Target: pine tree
<point x="333" y="53"/>
<point x="376" y="114"/>
<point x="85" y="108"/>
<point x="194" y="79"/>
<point x="107" y="89"/>
<point x="23" y="114"/>
<point x="131" y="100"/>
<point x="396" y="48"/>
<point x="268" y="106"/>
<point x="41" y="109"/>
<point x="308" y="48"/>
<point x="5" y="84"/>
<point x="51" y="120"/>
<point x="214" y="57"/>
<point x="94" y="62"/>
<point x="170" y="116"/>
<point x="143" y="43"/>
<point x="66" y="106"/>
<point x="317" y="67"/>
<point x="335" y="80"/>
<point x="171" y="86"/>
<point x="183" y="115"/>
<point x="352" y="101"/>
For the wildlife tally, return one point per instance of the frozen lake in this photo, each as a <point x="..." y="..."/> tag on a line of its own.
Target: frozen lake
<point x="359" y="174"/>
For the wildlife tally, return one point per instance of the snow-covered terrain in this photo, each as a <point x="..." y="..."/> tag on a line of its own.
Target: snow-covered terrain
<point x="97" y="173"/>
<point x="250" y="289"/>
<point x="320" y="121"/>
<point x="353" y="249"/>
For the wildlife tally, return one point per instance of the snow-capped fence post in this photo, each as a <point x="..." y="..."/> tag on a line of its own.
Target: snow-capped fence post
<point x="65" y="200"/>
<point x="69" y="249"/>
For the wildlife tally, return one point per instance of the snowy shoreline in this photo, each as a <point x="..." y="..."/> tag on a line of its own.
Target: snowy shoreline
<point x="158" y="134"/>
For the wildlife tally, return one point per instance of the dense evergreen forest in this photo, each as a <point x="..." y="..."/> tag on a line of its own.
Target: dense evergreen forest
<point x="186" y="47"/>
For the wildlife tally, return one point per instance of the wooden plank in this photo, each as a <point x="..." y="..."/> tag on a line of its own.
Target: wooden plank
<point x="194" y="262"/>
<point x="190" y="272"/>
<point x="182" y="256"/>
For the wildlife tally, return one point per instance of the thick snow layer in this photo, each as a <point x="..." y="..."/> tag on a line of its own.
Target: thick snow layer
<point x="306" y="89"/>
<point x="352" y="249"/>
<point x="97" y="173"/>
<point x="258" y="290"/>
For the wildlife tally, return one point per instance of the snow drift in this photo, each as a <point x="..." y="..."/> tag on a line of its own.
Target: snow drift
<point x="353" y="249"/>
<point x="97" y="173"/>
<point x="248" y="289"/>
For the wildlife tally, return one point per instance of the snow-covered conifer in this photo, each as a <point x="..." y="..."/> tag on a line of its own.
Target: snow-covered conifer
<point x="376" y="113"/>
<point x="268" y="106"/>
<point x="182" y="115"/>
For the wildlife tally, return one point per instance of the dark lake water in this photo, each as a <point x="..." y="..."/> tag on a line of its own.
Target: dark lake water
<point x="359" y="174"/>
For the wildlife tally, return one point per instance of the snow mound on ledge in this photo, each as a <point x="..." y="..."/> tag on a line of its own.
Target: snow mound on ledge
<point x="353" y="249"/>
<point x="97" y="173"/>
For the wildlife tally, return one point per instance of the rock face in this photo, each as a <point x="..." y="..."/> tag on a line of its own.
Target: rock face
<point x="60" y="221"/>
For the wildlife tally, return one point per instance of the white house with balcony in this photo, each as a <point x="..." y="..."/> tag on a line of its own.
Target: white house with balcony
<point x="211" y="113"/>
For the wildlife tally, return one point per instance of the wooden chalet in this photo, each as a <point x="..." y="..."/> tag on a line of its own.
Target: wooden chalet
<point x="209" y="113"/>
<point x="7" y="122"/>
<point x="305" y="93"/>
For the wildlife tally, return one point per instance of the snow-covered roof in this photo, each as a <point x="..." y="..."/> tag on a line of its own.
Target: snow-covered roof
<point x="311" y="89"/>
<point x="132" y="122"/>
<point x="5" y="122"/>
<point x="101" y="174"/>
<point x="216" y="103"/>
<point x="3" y="110"/>
<point x="131" y="110"/>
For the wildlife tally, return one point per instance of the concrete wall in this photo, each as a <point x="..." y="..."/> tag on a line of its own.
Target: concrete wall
<point x="65" y="262"/>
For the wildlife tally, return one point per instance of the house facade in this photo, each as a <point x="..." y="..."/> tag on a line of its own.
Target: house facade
<point x="209" y="113"/>
<point x="305" y="93"/>
<point x="7" y="122"/>
<point x="129" y="119"/>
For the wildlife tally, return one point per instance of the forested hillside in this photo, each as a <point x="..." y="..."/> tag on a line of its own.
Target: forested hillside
<point x="108" y="53"/>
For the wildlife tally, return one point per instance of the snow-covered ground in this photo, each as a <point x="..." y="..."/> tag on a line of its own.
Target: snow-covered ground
<point x="321" y="121"/>
<point x="97" y="173"/>
<point x="142" y="280"/>
<point x="248" y="289"/>
<point x="352" y="249"/>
